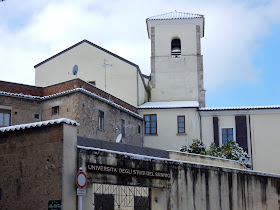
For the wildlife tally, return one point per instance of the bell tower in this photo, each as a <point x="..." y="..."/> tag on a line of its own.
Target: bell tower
<point x="176" y="60"/>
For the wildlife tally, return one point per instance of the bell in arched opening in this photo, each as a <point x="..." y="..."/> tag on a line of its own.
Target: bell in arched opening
<point x="176" y="48"/>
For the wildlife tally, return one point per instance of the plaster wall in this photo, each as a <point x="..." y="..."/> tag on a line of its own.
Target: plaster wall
<point x="167" y="137"/>
<point x="121" y="77"/>
<point x="265" y="142"/>
<point x="175" y="78"/>
<point x="207" y="130"/>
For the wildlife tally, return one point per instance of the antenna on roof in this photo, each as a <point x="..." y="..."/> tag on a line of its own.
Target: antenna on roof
<point x="75" y="70"/>
<point x="119" y="138"/>
<point x="105" y="65"/>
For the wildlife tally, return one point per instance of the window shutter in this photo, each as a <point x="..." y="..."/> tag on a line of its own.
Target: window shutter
<point x="216" y="130"/>
<point x="241" y="132"/>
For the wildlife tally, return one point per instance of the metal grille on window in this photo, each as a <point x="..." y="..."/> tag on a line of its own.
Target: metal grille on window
<point x="117" y="197"/>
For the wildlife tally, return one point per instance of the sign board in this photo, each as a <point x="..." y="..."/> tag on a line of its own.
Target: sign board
<point x="116" y="170"/>
<point x="81" y="191"/>
<point x="81" y="179"/>
<point x="54" y="205"/>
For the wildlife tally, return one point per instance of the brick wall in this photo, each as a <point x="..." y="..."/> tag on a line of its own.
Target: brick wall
<point x="77" y="83"/>
<point x="20" y="88"/>
<point x="31" y="167"/>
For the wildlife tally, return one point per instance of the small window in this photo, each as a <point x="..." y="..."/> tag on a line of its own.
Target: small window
<point x="139" y="129"/>
<point x="5" y="118"/>
<point x="150" y="124"/>
<point x="176" y="48"/>
<point x="92" y="82"/>
<point x="36" y="116"/>
<point x="55" y="110"/>
<point x="227" y="134"/>
<point x="123" y="128"/>
<point x="101" y="120"/>
<point x="181" y="124"/>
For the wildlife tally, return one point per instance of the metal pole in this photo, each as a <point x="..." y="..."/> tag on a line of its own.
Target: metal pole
<point x="80" y="201"/>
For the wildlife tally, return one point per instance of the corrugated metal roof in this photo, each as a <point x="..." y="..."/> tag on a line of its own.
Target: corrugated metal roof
<point x="175" y="15"/>
<point x="240" y="108"/>
<point x="169" y="104"/>
<point x="38" y="124"/>
<point x="121" y="147"/>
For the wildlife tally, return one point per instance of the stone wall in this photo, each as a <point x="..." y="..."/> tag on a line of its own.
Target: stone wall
<point x="22" y="110"/>
<point x="85" y="109"/>
<point x="31" y="167"/>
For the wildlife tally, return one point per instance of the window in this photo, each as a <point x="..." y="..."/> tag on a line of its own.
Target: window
<point x="123" y="128"/>
<point x="55" y="110"/>
<point x="176" y="48"/>
<point x="5" y="118"/>
<point x="139" y="129"/>
<point x="150" y="124"/>
<point x="227" y="134"/>
<point x="101" y="120"/>
<point x="181" y="124"/>
<point x="36" y="116"/>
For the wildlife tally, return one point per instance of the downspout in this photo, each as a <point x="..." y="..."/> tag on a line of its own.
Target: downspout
<point x="200" y="124"/>
<point x="250" y="139"/>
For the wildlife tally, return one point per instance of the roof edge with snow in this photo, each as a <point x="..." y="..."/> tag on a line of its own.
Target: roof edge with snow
<point x="38" y="124"/>
<point x="169" y="105"/>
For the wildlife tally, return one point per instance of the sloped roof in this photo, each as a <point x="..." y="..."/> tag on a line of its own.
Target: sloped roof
<point x="175" y="15"/>
<point x="92" y="44"/>
<point x="82" y="90"/>
<point x="39" y="124"/>
<point x="168" y="104"/>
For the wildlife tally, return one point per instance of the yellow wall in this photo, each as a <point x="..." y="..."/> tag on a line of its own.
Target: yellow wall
<point x="121" y="77"/>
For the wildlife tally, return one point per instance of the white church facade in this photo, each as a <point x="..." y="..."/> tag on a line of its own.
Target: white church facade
<point x="172" y="99"/>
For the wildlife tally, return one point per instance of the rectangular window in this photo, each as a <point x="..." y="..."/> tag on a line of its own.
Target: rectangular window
<point x="150" y="124"/>
<point x="123" y="128"/>
<point x="181" y="124"/>
<point x="227" y="134"/>
<point x="101" y="120"/>
<point x="5" y="118"/>
<point x="55" y="110"/>
<point x="139" y="129"/>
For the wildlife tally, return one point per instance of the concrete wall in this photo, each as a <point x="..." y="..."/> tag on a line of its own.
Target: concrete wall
<point x="121" y="77"/>
<point x="192" y="186"/>
<point x="167" y="136"/>
<point x="205" y="159"/>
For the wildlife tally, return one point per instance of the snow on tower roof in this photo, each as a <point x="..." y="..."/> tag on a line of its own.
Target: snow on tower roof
<point x="168" y="104"/>
<point x="38" y="124"/>
<point x="175" y="15"/>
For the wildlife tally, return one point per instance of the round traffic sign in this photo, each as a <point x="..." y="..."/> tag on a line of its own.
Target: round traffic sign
<point x="81" y="179"/>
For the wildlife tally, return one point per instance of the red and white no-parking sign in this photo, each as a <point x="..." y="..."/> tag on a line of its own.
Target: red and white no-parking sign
<point x="81" y="179"/>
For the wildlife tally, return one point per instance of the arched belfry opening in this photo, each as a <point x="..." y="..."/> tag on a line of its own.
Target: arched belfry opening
<point x="176" y="47"/>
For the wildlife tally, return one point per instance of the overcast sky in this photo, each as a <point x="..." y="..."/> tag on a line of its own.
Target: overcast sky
<point x="240" y="47"/>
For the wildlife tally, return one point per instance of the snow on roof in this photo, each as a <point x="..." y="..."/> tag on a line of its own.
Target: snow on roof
<point x="169" y="104"/>
<point x="175" y="15"/>
<point x="39" y="124"/>
<point x="240" y="108"/>
<point x="20" y="95"/>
